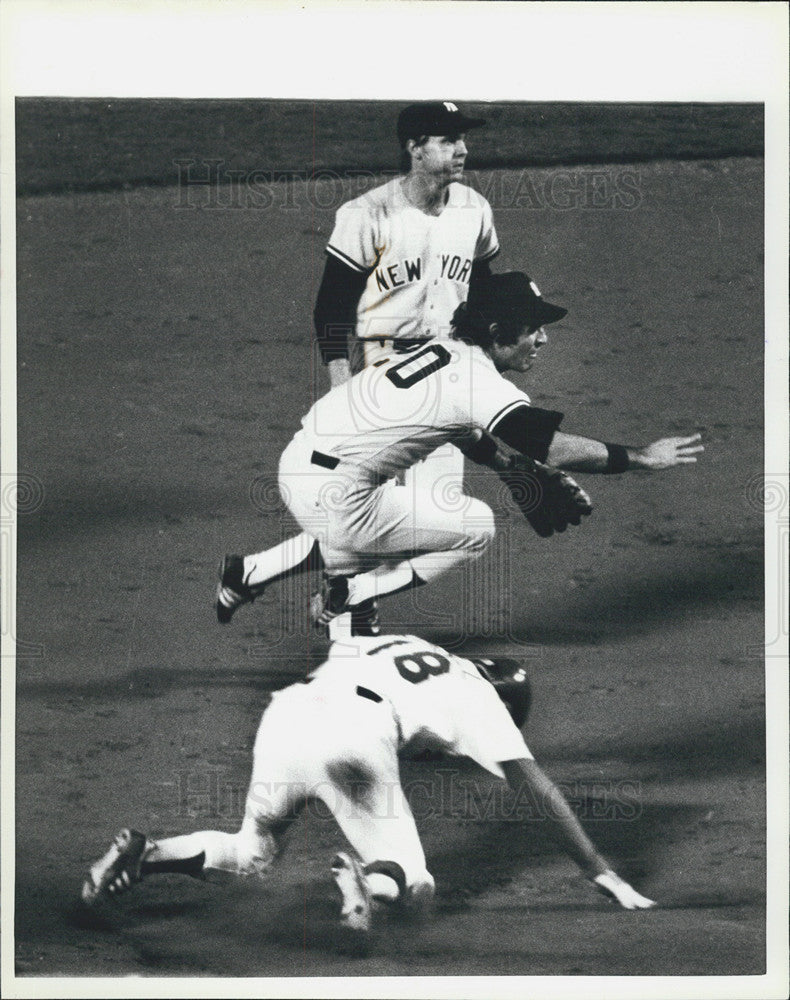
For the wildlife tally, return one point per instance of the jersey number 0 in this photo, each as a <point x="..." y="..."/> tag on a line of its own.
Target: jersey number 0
<point x="419" y="366"/>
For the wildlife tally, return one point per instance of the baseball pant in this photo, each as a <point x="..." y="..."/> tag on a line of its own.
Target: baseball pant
<point x="360" y="523"/>
<point x="317" y="744"/>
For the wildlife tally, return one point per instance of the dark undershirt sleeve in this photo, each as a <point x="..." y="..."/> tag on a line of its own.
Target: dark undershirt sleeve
<point x="481" y="271"/>
<point x="528" y="429"/>
<point x="335" y="313"/>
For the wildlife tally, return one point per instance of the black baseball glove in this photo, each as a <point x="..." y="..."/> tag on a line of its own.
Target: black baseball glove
<point x="547" y="497"/>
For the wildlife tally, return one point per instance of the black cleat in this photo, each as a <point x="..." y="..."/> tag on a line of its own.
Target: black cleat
<point x="330" y="601"/>
<point x="120" y="867"/>
<point x="232" y="591"/>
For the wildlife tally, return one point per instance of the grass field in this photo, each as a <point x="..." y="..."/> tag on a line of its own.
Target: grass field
<point x="90" y="144"/>
<point x="165" y="359"/>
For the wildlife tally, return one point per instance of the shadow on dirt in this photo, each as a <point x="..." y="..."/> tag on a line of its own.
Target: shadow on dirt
<point x="614" y="608"/>
<point x="155" y="682"/>
<point x="719" y="746"/>
<point x="162" y="927"/>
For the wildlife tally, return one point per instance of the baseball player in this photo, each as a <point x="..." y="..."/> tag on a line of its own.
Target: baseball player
<point x="402" y="257"/>
<point x="378" y="538"/>
<point x="399" y="261"/>
<point x="337" y="737"/>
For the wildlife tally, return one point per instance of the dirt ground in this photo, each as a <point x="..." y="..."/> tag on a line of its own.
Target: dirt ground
<point x="165" y="360"/>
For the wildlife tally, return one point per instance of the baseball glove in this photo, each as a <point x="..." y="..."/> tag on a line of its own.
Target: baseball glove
<point x="547" y="497"/>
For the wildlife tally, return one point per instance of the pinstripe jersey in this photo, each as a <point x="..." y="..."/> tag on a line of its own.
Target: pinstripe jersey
<point x="396" y="412"/>
<point x="418" y="265"/>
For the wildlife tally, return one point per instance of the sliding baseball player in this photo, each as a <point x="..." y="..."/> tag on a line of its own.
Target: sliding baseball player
<point x="337" y="737"/>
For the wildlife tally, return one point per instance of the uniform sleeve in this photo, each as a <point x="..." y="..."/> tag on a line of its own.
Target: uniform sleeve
<point x="487" y="243"/>
<point x="484" y="730"/>
<point x="354" y="239"/>
<point x="528" y="429"/>
<point x="335" y="313"/>
<point x="485" y="398"/>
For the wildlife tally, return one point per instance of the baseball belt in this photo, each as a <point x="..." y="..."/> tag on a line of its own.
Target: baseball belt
<point x="332" y="462"/>
<point x="325" y="461"/>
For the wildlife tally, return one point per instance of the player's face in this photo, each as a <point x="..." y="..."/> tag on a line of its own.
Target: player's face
<point x="442" y="156"/>
<point x="518" y="357"/>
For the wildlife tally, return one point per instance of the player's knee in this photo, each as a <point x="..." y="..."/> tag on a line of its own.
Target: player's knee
<point x="481" y="530"/>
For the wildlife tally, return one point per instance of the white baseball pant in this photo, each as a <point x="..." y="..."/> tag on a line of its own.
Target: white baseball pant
<point x="337" y="747"/>
<point x="361" y="523"/>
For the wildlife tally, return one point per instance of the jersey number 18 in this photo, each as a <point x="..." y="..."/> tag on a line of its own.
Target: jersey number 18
<point x="416" y="667"/>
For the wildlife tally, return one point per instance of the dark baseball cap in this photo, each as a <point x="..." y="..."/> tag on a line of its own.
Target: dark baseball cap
<point x="514" y="299"/>
<point x="433" y="118"/>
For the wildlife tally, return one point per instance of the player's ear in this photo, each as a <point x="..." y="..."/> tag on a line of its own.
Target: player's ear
<point x="493" y="332"/>
<point x="412" y="147"/>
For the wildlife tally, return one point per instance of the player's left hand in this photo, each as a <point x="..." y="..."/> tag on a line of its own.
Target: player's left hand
<point x="668" y="452"/>
<point x="548" y="498"/>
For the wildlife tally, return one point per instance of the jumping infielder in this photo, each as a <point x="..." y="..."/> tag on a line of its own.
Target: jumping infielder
<point x="337" y="737"/>
<point x="400" y="259"/>
<point x="336" y="474"/>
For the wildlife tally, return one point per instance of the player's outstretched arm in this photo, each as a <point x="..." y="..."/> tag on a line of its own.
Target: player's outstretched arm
<point x="568" y="830"/>
<point x="580" y="454"/>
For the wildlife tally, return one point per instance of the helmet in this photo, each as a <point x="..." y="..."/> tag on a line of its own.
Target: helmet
<point x="510" y="682"/>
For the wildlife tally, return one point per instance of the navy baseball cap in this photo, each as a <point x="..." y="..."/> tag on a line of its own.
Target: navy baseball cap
<point x="433" y="118"/>
<point x="514" y="299"/>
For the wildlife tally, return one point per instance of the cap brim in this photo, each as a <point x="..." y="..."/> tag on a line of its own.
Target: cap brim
<point x="467" y="123"/>
<point x="547" y="312"/>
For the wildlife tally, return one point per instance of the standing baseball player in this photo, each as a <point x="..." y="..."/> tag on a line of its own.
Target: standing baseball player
<point x="399" y="261"/>
<point x="378" y="538"/>
<point x="403" y="256"/>
<point x="337" y="737"/>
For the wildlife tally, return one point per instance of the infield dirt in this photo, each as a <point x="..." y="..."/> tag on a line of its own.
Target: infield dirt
<point x="165" y="360"/>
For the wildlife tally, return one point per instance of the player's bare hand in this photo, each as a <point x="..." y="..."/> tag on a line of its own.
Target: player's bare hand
<point x="668" y="452"/>
<point x="339" y="372"/>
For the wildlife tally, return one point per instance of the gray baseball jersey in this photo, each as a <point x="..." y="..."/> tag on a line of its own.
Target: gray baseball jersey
<point x="418" y="265"/>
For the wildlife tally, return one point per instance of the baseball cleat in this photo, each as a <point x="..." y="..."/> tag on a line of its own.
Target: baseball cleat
<point x="614" y="888"/>
<point x="232" y="591"/>
<point x="356" y="906"/>
<point x="330" y="601"/>
<point x="119" y="868"/>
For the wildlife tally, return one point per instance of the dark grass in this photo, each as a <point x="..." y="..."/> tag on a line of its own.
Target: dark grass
<point x="81" y="145"/>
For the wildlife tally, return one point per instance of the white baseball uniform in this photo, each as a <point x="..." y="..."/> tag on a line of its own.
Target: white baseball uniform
<point x="376" y="425"/>
<point x="338" y="737"/>
<point x="418" y="265"/>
